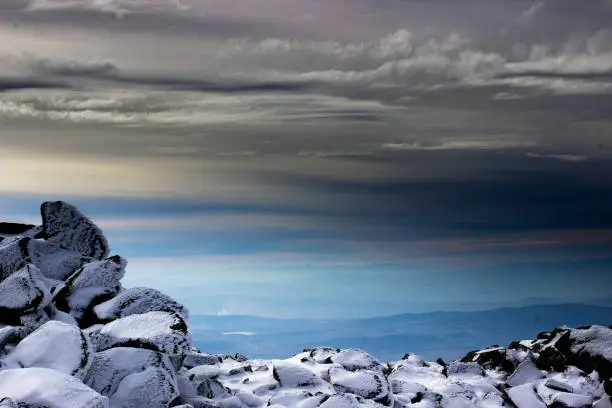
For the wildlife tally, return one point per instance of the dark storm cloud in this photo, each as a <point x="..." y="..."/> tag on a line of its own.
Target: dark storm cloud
<point x="106" y="71"/>
<point x="558" y="195"/>
<point x="19" y="84"/>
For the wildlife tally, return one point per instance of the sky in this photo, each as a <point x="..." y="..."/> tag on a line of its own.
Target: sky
<point x="328" y="159"/>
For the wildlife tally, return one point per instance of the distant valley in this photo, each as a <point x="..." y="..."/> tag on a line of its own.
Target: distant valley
<point x="448" y="335"/>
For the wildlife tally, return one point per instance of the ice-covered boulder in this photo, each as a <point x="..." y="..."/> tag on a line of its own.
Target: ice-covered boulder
<point x="294" y="376"/>
<point x="65" y="226"/>
<point x="92" y="284"/>
<point x="13" y="256"/>
<point x="365" y="383"/>
<point x="138" y="301"/>
<point x="591" y="349"/>
<point x="46" y="388"/>
<point x="55" y="345"/>
<point x="160" y="331"/>
<point x="54" y="261"/>
<point x="526" y="372"/>
<point x="106" y="274"/>
<point x="23" y="292"/>
<point x="195" y="359"/>
<point x="110" y="367"/>
<point x="151" y="388"/>
<point x="355" y="359"/>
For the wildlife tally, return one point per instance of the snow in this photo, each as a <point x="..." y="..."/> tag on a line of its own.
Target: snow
<point x="165" y="331"/>
<point x="151" y="388"/>
<point x="110" y="367"/>
<point x="54" y="345"/>
<point x="43" y="387"/>
<point x="365" y="383"/>
<point x="525" y="396"/>
<point x="596" y="341"/>
<point x="526" y="372"/>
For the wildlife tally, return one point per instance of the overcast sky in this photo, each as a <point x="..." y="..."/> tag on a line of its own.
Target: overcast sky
<point x="311" y="158"/>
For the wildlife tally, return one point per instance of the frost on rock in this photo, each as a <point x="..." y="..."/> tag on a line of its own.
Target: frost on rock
<point x="23" y="292"/>
<point x="65" y="226"/>
<point x="160" y="331"/>
<point x="152" y="388"/>
<point x="355" y="359"/>
<point x="42" y="387"/>
<point x="138" y="301"/>
<point x="72" y="337"/>
<point x="55" y="345"/>
<point x="111" y="366"/>
<point x="53" y="261"/>
<point x="13" y="256"/>
<point x="104" y="274"/>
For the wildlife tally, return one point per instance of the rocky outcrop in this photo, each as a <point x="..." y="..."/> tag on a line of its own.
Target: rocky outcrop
<point x="72" y="336"/>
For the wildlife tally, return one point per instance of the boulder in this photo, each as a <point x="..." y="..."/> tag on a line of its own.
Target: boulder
<point x="55" y="345"/>
<point x="23" y="292"/>
<point x="525" y="396"/>
<point x="138" y="301"/>
<point x="355" y="359"/>
<point x="110" y="367"/>
<point x="591" y="349"/>
<point x="365" y="383"/>
<point x="43" y="387"/>
<point x="53" y="261"/>
<point x="294" y="376"/>
<point x="153" y="387"/>
<point x="65" y="226"/>
<point x="526" y="372"/>
<point x="105" y="274"/>
<point x="160" y="331"/>
<point x="13" y="256"/>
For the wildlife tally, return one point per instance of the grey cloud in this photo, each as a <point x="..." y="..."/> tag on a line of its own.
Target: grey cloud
<point x="19" y="84"/>
<point x="106" y="71"/>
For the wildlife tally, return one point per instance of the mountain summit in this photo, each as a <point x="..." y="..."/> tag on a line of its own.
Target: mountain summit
<point x="71" y="336"/>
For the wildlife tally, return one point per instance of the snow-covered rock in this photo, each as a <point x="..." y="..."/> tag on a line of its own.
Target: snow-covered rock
<point x="55" y="345"/>
<point x="138" y="301"/>
<point x="23" y="292"/>
<point x="13" y="256"/>
<point x="110" y="367"/>
<point x="161" y="331"/>
<point x="63" y="225"/>
<point x="152" y="388"/>
<point x="43" y="387"/>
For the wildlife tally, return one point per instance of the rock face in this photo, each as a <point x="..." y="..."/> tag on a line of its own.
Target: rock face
<point x="71" y="336"/>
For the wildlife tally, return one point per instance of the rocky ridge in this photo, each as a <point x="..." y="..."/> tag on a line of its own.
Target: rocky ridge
<point x="71" y="336"/>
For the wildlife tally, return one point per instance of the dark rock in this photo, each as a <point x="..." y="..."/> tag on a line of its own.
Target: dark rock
<point x="138" y="301"/>
<point x="23" y="292"/>
<point x="608" y="386"/>
<point x="11" y="228"/>
<point x="110" y="367"/>
<point x="65" y="226"/>
<point x="551" y="359"/>
<point x="13" y="257"/>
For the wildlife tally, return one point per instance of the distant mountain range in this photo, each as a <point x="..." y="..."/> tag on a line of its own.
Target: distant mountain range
<point x="448" y="335"/>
